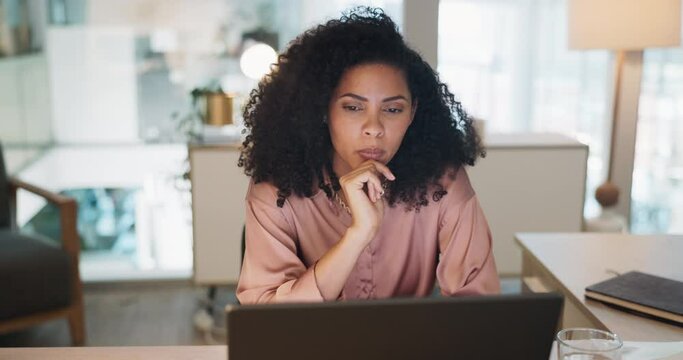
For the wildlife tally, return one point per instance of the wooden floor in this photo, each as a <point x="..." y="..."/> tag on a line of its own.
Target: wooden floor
<point x="143" y="314"/>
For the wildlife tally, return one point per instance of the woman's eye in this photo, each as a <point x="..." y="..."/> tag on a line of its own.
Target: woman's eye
<point x="394" y="110"/>
<point x="351" y="107"/>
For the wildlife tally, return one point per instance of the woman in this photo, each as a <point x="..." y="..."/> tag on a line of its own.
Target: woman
<point x="356" y="153"/>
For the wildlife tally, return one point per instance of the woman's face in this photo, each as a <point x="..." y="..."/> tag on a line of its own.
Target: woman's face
<point x="369" y="113"/>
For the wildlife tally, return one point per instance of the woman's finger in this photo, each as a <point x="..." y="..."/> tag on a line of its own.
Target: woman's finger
<point x="384" y="170"/>
<point x="376" y="167"/>
<point x="375" y="184"/>
<point x="364" y="178"/>
<point x="372" y="192"/>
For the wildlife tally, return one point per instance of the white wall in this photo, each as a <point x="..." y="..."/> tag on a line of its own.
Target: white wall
<point x="93" y="84"/>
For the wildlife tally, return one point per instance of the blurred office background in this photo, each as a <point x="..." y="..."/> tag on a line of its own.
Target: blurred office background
<point x="93" y="95"/>
<point x="97" y="87"/>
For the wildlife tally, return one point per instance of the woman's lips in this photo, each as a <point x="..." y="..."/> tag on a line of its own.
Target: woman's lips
<point x="371" y="153"/>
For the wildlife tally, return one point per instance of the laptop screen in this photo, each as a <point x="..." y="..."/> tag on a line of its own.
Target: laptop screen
<point x="475" y="327"/>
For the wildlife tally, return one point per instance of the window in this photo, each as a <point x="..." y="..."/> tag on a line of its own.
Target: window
<point x="509" y="63"/>
<point x="657" y="205"/>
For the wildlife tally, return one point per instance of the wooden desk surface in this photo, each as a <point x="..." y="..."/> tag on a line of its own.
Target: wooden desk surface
<point x="572" y="261"/>
<point x="218" y="352"/>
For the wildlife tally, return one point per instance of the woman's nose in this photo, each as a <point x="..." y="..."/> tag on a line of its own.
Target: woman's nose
<point x="373" y="126"/>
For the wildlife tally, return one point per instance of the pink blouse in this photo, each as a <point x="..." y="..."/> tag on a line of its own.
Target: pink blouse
<point x="448" y="241"/>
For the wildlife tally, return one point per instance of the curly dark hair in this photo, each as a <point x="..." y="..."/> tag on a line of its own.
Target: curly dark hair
<point x="289" y="142"/>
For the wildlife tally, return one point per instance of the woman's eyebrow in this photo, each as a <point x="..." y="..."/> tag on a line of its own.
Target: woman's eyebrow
<point x="397" y="97"/>
<point x="358" y="97"/>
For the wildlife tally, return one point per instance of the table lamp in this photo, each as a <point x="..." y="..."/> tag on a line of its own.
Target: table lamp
<point x="627" y="27"/>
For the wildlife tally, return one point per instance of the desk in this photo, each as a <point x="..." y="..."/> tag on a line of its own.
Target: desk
<point x="568" y="262"/>
<point x="216" y="352"/>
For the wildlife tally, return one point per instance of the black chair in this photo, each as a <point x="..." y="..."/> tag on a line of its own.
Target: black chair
<point x="39" y="277"/>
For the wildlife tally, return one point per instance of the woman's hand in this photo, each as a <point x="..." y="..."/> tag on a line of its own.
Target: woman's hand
<point x="362" y="188"/>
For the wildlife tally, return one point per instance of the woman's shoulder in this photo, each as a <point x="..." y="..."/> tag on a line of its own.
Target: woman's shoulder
<point x="456" y="183"/>
<point x="267" y="192"/>
<point x="262" y="192"/>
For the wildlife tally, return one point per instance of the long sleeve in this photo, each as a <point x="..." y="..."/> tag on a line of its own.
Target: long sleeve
<point x="466" y="265"/>
<point x="271" y="269"/>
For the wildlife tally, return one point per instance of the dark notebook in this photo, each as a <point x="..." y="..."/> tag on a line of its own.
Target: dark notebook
<point x="648" y="294"/>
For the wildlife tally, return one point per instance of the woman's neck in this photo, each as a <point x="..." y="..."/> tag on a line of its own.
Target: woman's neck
<point x="339" y="166"/>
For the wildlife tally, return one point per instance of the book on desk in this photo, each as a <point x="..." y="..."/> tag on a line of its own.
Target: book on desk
<point x="642" y="293"/>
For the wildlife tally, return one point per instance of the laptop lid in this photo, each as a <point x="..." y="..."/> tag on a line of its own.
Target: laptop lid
<point x="474" y="327"/>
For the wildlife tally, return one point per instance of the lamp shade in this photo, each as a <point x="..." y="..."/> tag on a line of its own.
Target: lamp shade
<point x="624" y="24"/>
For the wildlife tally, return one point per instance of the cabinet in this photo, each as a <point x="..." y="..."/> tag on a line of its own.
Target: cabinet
<point x="526" y="183"/>
<point x="218" y="191"/>
<point x="529" y="183"/>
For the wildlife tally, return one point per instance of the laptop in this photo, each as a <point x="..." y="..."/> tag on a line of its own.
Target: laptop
<point x="474" y="327"/>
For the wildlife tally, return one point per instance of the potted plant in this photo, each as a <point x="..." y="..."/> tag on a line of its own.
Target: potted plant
<point x="209" y="105"/>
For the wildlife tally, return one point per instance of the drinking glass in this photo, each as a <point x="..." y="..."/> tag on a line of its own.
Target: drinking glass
<point x="588" y="344"/>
